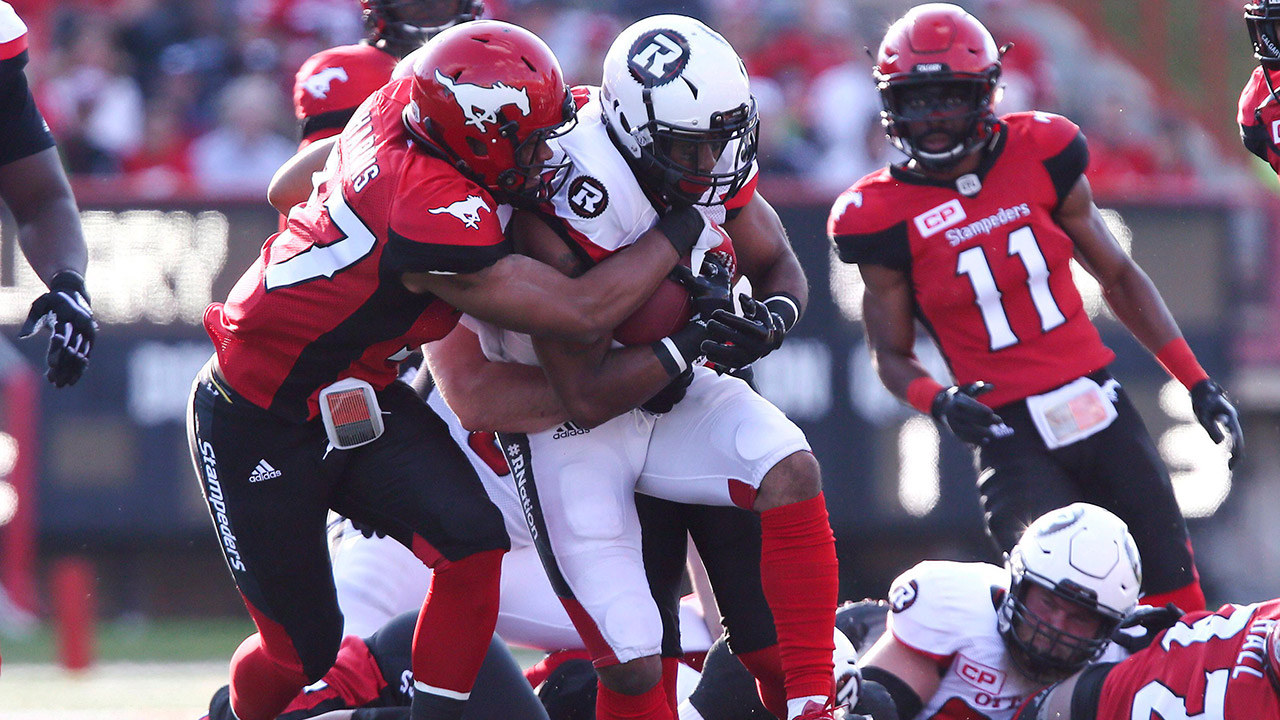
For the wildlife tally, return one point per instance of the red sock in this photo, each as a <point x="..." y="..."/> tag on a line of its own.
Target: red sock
<point x="1188" y="598"/>
<point x="456" y="623"/>
<point x="766" y="666"/>
<point x="670" y="683"/>
<point x="537" y="673"/>
<point x="649" y="705"/>
<point x="801" y="582"/>
<point x="262" y="686"/>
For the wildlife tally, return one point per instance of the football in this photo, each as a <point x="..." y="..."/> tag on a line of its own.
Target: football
<point x="669" y="308"/>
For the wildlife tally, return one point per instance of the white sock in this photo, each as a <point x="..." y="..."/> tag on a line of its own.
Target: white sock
<point x="795" y="705"/>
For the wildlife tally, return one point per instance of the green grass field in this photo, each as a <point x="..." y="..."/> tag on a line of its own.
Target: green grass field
<point x="154" y="670"/>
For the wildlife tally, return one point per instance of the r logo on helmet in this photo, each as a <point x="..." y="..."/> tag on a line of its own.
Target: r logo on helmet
<point x="658" y="56"/>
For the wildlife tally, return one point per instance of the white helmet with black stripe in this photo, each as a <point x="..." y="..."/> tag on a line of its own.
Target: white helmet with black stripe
<point x="678" y="103"/>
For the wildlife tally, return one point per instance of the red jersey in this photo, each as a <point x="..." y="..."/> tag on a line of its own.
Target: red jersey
<point x="1259" y="118"/>
<point x="1209" y="665"/>
<point x="331" y="84"/>
<point x="325" y="301"/>
<point x="988" y="264"/>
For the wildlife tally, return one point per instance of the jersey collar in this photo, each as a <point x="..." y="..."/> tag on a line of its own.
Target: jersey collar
<point x="989" y="157"/>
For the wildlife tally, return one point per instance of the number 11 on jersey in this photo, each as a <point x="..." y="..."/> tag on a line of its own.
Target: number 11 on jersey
<point x="973" y="263"/>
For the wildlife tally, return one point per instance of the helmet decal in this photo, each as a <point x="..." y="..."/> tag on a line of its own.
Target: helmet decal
<point x="482" y="104"/>
<point x="657" y="57"/>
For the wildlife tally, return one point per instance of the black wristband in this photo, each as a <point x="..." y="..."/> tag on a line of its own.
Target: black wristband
<point x="682" y="226"/>
<point x="785" y="306"/>
<point x="905" y="699"/>
<point x="68" y="281"/>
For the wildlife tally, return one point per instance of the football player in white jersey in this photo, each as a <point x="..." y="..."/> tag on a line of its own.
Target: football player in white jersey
<point x="973" y="640"/>
<point x="674" y="122"/>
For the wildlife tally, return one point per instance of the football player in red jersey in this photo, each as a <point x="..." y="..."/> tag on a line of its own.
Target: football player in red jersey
<point x="331" y="84"/>
<point x="1222" y="665"/>
<point x="34" y="186"/>
<point x="299" y="411"/>
<point x="974" y="235"/>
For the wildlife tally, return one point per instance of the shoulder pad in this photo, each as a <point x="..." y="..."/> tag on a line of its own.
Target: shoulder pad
<point x="339" y="78"/>
<point x="1049" y="132"/>
<point x="1254" y="95"/>
<point x="861" y="209"/>
<point x="937" y="604"/>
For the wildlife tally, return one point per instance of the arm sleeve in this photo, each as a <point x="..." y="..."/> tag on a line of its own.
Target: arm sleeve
<point x="889" y="247"/>
<point x="1068" y="165"/>
<point x="22" y="128"/>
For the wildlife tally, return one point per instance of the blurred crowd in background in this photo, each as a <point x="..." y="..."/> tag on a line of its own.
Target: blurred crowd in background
<point x="167" y="97"/>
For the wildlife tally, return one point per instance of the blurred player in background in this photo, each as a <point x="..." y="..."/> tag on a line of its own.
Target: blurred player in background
<point x="331" y="84"/>
<point x="974" y="235"/>
<point x="399" y="235"/>
<point x="1222" y="665"/>
<point x="673" y="123"/>
<point x="35" y="188"/>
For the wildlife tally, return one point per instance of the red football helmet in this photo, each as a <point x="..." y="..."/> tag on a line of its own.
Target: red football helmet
<point x="937" y="71"/>
<point x="485" y="96"/>
<point x="401" y="26"/>
<point x="1262" y="18"/>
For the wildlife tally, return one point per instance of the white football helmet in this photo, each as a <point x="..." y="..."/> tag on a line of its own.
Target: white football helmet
<point x="670" y="79"/>
<point x="1085" y="555"/>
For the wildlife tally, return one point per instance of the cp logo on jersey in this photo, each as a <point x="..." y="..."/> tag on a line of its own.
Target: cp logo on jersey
<point x="318" y="85"/>
<point x="468" y="211"/>
<point x="902" y="597"/>
<point x="937" y="219"/>
<point x="658" y="56"/>
<point x="983" y="677"/>
<point x="482" y="104"/>
<point x="587" y="196"/>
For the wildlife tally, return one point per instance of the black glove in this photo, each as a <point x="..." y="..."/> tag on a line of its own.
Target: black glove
<point x="875" y="702"/>
<point x="366" y="530"/>
<point x="683" y="226"/>
<point x="1212" y="408"/>
<point x="680" y="350"/>
<point x="667" y="397"/>
<point x="735" y="342"/>
<point x="1142" y="625"/>
<point x="711" y="289"/>
<point x="65" y="311"/>
<point x="965" y="417"/>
